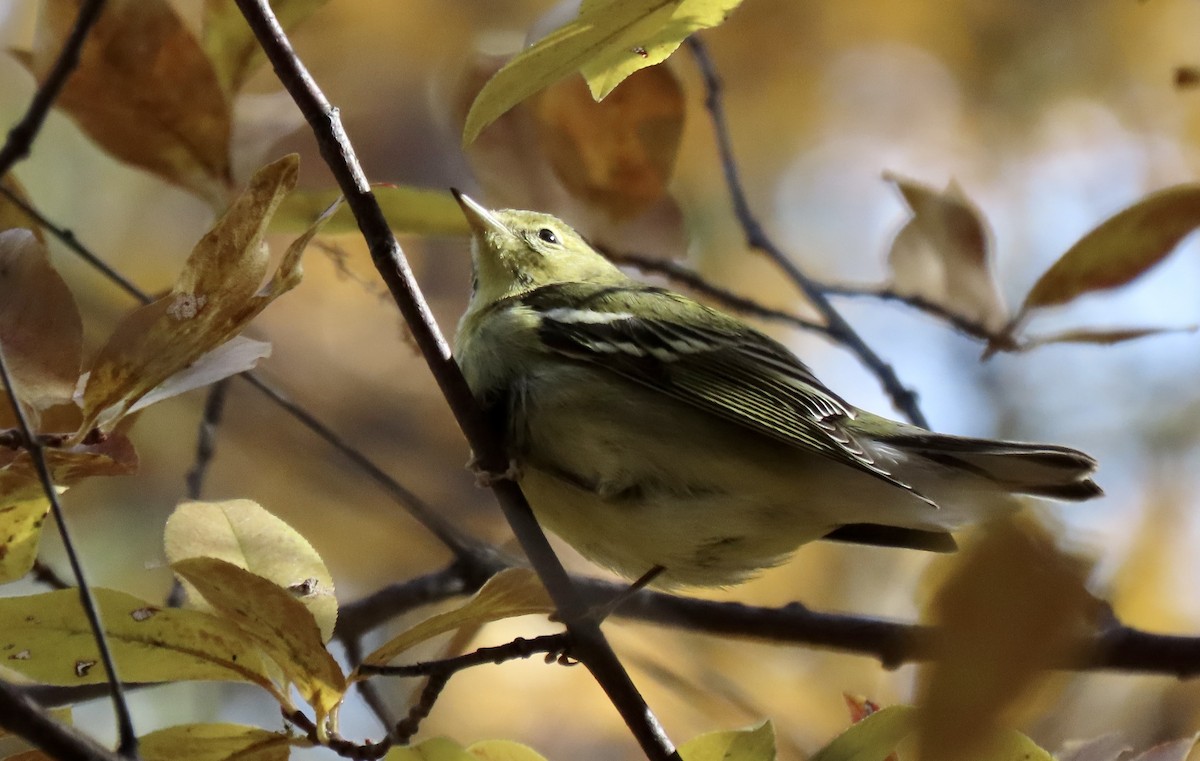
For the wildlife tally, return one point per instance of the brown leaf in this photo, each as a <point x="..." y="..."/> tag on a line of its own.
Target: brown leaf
<point x="1122" y="248"/>
<point x="144" y="91"/>
<point x="1101" y="337"/>
<point x="113" y="456"/>
<point x="617" y="154"/>
<point x="232" y="47"/>
<point x="943" y="254"/>
<point x="216" y="295"/>
<point x="1012" y="608"/>
<point x="40" y="327"/>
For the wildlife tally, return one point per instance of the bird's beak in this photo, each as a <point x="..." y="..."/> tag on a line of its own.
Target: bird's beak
<point x="479" y="218"/>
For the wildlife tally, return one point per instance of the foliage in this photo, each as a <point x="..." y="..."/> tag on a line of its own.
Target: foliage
<point x="261" y="606"/>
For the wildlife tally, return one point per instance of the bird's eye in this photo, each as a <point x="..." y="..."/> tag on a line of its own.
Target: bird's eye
<point x="547" y="235"/>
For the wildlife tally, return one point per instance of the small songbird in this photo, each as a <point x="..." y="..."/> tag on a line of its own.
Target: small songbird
<point x="651" y="431"/>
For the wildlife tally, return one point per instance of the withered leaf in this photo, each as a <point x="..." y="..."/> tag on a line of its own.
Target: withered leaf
<point x="40" y="327"/>
<point x="1122" y="248"/>
<point x="216" y="295"/>
<point x="144" y="91"/>
<point x="617" y="154"/>
<point x="943" y="254"/>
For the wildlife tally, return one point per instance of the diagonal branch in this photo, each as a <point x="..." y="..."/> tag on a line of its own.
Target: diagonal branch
<point x="591" y="646"/>
<point x="21" y="136"/>
<point x="839" y="330"/>
<point x="33" y="445"/>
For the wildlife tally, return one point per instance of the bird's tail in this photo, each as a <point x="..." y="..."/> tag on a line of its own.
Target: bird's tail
<point x="1042" y="470"/>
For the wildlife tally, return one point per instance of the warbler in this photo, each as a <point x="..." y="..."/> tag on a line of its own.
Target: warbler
<point x="650" y="431"/>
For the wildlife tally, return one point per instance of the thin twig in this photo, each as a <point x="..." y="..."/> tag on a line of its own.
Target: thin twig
<point x="882" y="293"/>
<point x="128" y="737"/>
<point x="21" y="136"/>
<point x="695" y="282"/>
<point x="21" y="715"/>
<point x="206" y="441"/>
<point x="591" y="646"/>
<point x="556" y="645"/>
<point x="904" y="399"/>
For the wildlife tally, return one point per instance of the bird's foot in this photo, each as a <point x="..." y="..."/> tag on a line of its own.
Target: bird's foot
<point x="486" y="479"/>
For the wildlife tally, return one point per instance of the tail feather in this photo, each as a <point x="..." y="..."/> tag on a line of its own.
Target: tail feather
<point x="1042" y="470"/>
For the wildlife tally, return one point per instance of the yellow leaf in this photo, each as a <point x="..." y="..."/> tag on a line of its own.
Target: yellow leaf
<point x="216" y="295"/>
<point x="20" y="529"/>
<point x="510" y="593"/>
<point x="873" y="738"/>
<point x="231" y="46"/>
<point x="752" y="744"/>
<point x="1123" y="247"/>
<point x="943" y="254"/>
<point x="143" y="90"/>
<point x="417" y="211"/>
<point x="649" y="40"/>
<point x="433" y="749"/>
<point x="502" y="750"/>
<point x="30" y="755"/>
<point x="215" y="742"/>
<point x="47" y="638"/>
<point x="608" y="41"/>
<point x="1013" y="608"/>
<point x="241" y="532"/>
<point x="617" y="154"/>
<point x="40" y="327"/>
<point x="276" y="621"/>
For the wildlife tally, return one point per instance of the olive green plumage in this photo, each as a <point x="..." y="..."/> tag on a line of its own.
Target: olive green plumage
<point x="651" y="430"/>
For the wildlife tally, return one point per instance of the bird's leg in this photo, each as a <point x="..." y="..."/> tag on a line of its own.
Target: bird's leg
<point x="601" y="612"/>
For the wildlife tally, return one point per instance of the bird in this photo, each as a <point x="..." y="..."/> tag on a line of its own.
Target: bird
<point x="665" y="439"/>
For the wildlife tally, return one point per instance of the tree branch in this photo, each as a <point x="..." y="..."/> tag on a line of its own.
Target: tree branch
<point x="839" y="330"/>
<point x="21" y="715"/>
<point x="591" y="646"/>
<point x="87" y="601"/>
<point x="23" y="133"/>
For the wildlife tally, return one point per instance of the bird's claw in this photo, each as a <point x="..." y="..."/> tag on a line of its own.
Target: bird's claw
<point x="486" y="479"/>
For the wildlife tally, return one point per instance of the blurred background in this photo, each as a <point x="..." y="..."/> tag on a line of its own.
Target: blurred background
<point x="1050" y="116"/>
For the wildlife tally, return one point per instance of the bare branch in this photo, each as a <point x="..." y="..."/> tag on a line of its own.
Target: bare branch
<point x="21" y="136"/>
<point x="593" y="649"/>
<point x="21" y="715"/>
<point x="34" y="446"/>
<point x="692" y="280"/>
<point x="839" y="330"/>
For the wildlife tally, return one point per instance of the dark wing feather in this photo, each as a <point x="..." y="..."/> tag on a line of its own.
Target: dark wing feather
<point x="651" y="336"/>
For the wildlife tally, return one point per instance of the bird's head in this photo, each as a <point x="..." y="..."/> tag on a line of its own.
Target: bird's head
<point x="516" y="251"/>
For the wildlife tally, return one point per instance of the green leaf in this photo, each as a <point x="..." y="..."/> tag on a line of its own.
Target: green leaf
<point x="609" y="40"/>
<point x="755" y="743"/>
<point x="510" y="593"/>
<point x="241" y="532"/>
<point x="47" y="638"/>
<point x="502" y="750"/>
<point x="433" y="749"/>
<point x="20" y="529"/>
<point x="1122" y="248"/>
<point x="417" y="211"/>
<point x="872" y="739"/>
<point x="216" y="742"/>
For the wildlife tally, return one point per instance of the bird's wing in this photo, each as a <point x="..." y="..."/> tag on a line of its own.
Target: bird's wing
<point x="707" y="359"/>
